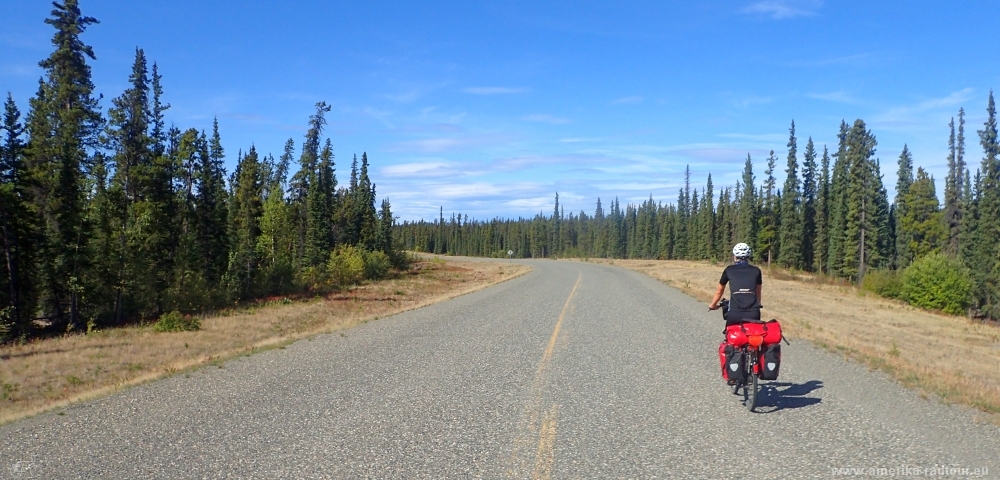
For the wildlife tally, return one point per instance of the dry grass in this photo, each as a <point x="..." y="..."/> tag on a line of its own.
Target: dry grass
<point x="951" y="357"/>
<point x="51" y="373"/>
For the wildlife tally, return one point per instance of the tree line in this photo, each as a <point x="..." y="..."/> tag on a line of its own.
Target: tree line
<point x="107" y="219"/>
<point x="831" y="215"/>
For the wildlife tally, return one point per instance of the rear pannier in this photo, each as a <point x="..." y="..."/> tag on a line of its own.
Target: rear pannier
<point x="770" y="361"/>
<point x="734" y="367"/>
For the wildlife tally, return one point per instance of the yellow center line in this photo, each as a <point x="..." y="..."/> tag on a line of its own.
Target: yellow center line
<point x="545" y="457"/>
<point x="555" y="333"/>
<point x="537" y="423"/>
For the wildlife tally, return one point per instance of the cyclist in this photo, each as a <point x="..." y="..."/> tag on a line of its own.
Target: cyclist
<point x="744" y="288"/>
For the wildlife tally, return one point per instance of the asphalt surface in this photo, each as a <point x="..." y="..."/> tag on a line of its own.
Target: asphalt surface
<point x="572" y="371"/>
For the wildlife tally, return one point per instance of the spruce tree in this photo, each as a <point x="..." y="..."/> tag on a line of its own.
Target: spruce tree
<point x="246" y="207"/>
<point x="790" y="232"/>
<point x="952" y="194"/>
<point x="808" y="234"/>
<point x="317" y="240"/>
<point x="821" y="244"/>
<point x="63" y="129"/>
<point x="838" y="204"/>
<point x="986" y="266"/>
<point x="861" y="230"/>
<point x="905" y="179"/>
<point x="748" y="212"/>
<point x="17" y="230"/>
<point x="921" y="224"/>
<point x="384" y="241"/>
<point x="767" y="239"/>
<point x="211" y="208"/>
<point x="367" y="216"/>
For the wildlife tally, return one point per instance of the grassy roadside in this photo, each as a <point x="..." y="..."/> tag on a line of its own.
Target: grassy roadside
<point x="950" y="357"/>
<point x="51" y="373"/>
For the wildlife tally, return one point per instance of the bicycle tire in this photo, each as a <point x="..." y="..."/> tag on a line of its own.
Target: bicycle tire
<point x="753" y="391"/>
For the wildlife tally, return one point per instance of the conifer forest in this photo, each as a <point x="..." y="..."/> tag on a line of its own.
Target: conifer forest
<point x="109" y="216"/>
<point x="113" y="217"/>
<point x="831" y="215"/>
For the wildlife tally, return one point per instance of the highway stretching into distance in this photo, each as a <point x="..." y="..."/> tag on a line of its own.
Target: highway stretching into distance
<point x="574" y="370"/>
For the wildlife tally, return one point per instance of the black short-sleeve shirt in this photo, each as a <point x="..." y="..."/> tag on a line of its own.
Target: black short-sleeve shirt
<point x="742" y="279"/>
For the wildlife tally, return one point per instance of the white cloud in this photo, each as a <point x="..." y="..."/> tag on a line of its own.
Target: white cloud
<point x="428" y="145"/>
<point x="545" y="118"/>
<point x="493" y="90"/>
<point x="838" y="96"/>
<point x="533" y="202"/>
<point x="782" y="9"/>
<point x="404" y="97"/>
<point x="756" y="137"/>
<point x="19" y="70"/>
<point x="432" y="169"/>
<point x="924" y="113"/>
<point x="856" y="58"/>
<point x="631" y="100"/>
<point x="755" y="100"/>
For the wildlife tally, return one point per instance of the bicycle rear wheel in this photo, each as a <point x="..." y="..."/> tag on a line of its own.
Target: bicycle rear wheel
<point x="753" y="391"/>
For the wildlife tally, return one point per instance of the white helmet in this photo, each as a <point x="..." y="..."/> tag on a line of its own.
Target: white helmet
<point x="741" y="250"/>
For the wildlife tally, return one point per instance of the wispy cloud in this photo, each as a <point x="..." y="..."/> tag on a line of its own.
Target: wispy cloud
<point x="581" y="139"/>
<point x="916" y="115"/>
<point x="782" y="9"/>
<point x="754" y="100"/>
<point x="755" y="137"/>
<point x="852" y="59"/>
<point x="838" y="96"/>
<point x="403" y="97"/>
<point x="493" y="90"/>
<point x="18" y="70"/>
<point x="449" y="143"/>
<point x="439" y="168"/>
<point x="712" y="155"/>
<point x="545" y="118"/>
<point x="431" y="169"/>
<point x="429" y="145"/>
<point x="631" y="100"/>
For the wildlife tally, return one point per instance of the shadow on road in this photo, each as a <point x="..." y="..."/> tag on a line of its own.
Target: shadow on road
<point x="775" y="396"/>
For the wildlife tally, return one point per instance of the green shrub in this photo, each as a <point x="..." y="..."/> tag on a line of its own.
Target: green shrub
<point x="346" y="266"/>
<point x="886" y="283"/>
<point x="175" y="322"/>
<point x="376" y="265"/>
<point x="937" y="282"/>
<point x="401" y="260"/>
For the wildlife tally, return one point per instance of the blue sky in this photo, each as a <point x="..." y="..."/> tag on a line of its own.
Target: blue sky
<point x="490" y="108"/>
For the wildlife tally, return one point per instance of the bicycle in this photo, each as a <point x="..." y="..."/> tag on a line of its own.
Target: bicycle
<point x="750" y="339"/>
<point x="751" y="370"/>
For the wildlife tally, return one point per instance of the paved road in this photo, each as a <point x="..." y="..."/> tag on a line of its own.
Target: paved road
<point x="573" y="371"/>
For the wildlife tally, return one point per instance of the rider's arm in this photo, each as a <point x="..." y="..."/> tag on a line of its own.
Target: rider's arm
<point x="718" y="296"/>
<point x="759" y="290"/>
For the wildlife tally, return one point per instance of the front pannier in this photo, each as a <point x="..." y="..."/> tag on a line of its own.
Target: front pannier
<point x="770" y="361"/>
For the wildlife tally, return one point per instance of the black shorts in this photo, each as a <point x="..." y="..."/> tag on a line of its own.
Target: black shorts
<point x="736" y="317"/>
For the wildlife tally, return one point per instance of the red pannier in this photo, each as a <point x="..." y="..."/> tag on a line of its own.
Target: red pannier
<point x="731" y="360"/>
<point x="737" y="334"/>
<point x="773" y="334"/>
